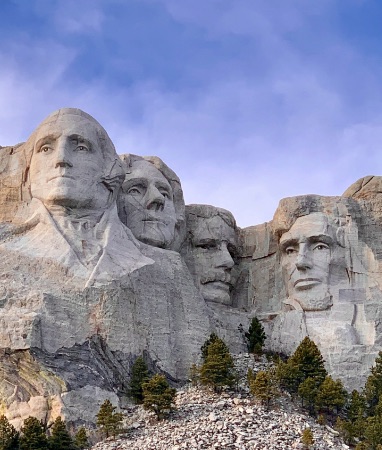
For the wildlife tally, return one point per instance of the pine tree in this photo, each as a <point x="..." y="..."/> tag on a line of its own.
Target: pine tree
<point x="60" y="438"/>
<point x="287" y="374"/>
<point x="307" y="361"/>
<point x="264" y="386"/>
<point x="373" y="432"/>
<point x="217" y="369"/>
<point x="204" y="348"/>
<point x="373" y="386"/>
<point x="307" y="390"/>
<point x="33" y="435"/>
<point x="331" y="395"/>
<point x="255" y="337"/>
<point x="194" y="374"/>
<point x="81" y="439"/>
<point x="139" y="375"/>
<point x="108" y="421"/>
<point x="9" y="437"/>
<point x="353" y="427"/>
<point x="158" y="396"/>
<point x="307" y="438"/>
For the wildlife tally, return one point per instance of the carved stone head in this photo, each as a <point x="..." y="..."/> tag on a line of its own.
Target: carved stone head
<point x="211" y="246"/>
<point x="309" y="252"/>
<point x="151" y="202"/>
<point x="73" y="162"/>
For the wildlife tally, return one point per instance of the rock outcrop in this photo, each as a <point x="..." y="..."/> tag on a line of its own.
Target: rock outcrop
<point x="101" y="262"/>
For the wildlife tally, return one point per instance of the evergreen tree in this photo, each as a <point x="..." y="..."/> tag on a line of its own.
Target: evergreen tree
<point x="373" y="432"/>
<point x="307" y="361"/>
<point x="255" y="337"/>
<point x="307" y="438"/>
<point x="373" y="386"/>
<point x="33" y="435"/>
<point x="307" y="390"/>
<point x="60" y="438"/>
<point x="217" y="369"/>
<point x="204" y="348"/>
<point x="81" y="439"/>
<point x="287" y="374"/>
<point x="158" y="396"/>
<point x="353" y="428"/>
<point x="9" y="437"/>
<point x="139" y="375"/>
<point x="264" y="386"/>
<point x="194" y="374"/>
<point x="331" y="395"/>
<point x="108" y="421"/>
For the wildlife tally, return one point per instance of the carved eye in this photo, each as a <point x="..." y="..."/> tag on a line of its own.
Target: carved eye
<point x="165" y="194"/>
<point x="44" y="149"/>
<point x="82" y="148"/>
<point x="207" y="246"/>
<point x="321" y="246"/>
<point x="290" y="250"/>
<point x="134" y="191"/>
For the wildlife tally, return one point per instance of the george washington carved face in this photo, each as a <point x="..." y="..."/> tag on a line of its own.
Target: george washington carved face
<point x="68" y="164"/>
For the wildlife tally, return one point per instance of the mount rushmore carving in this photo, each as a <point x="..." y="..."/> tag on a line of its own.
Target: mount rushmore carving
<point x="101" y="262"/>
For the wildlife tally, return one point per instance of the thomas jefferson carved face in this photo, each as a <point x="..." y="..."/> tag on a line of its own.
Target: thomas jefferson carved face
<point x="67" y="165"/>
<point x="210" y="256"/>
<point x="307" y="251"/>
<point x="146" y="200"/>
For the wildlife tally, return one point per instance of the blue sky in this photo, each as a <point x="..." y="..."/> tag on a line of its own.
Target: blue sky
<point x="249" y="101"/>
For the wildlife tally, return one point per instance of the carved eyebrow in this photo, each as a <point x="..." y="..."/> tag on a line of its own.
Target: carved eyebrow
<point x="325" y="238"/>
<point x="47" y="139"/>
<point x="134" y="182"/>
<point x="80" y="139"/>
<point x="205" y="241"/>
<point x="288" y="242"/>
<point x="163" y="185"/>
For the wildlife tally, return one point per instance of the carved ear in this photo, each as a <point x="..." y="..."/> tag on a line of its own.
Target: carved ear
<point x="340" y="235"/>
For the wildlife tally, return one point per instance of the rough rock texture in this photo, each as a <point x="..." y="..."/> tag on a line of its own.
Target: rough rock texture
<point x="101" y="262"/>
<point x="205" y="420"/>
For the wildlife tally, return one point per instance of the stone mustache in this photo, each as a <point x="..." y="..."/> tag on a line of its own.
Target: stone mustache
<point x="101" y="262"/>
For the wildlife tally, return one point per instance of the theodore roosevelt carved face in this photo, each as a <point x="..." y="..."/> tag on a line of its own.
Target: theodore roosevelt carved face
<point x="212" y="245"/>
<point x="69" y="164"/>
<point x="147" y="204"/>
<point x="307" y="253"/>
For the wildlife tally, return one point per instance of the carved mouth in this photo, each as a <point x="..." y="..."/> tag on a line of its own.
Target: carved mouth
<point x="61" y="176"/>
<point x="306" y="283"/>
<point x="223" y="285"/>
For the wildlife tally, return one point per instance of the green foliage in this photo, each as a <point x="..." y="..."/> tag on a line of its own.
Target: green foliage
<point x="287" y="374"/>
<point x="250" y="376"/>
<point x="60" y="438"/>
<point x="9" y="437"/>
<point x="307" y="390"/>
<point x="255" y="337"/>
<point x="81" y="439"/>
<point x="373" y="386"/>
<point x="204" y="348"/>
<point x="139" y="375"/>
<point x="264" y="386"/>
<point x="217" y="369"/>
<point x="158" y="396"/>
<point x="33" y="435"/>
<point x="194" y="374"/>
<point x="321" y="419"/>
<point x="307" y="361"/>
<point x="108" y="421"/>
<point x="307" y="437"/>
<point x="373" y="432"/>
<point x="331" y="395"/>
<point x="347" y="429"/>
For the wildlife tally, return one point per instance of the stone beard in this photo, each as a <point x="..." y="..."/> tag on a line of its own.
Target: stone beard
<point x="308" y="251"/>
<point x="209" y="255"/>
<point x="146" y="205"/>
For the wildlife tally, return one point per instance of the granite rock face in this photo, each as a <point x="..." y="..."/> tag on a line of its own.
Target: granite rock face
<point x="102" y="262"/>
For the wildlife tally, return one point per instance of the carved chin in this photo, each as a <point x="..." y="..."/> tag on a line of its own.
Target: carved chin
<point x="217" y="292"/>
<point x="156" y="234"/>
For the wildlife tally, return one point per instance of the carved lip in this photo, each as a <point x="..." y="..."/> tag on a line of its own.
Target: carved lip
<point x="225" y="285"/>
<point x="306" y="282"/>
<point x="61" y="176"/>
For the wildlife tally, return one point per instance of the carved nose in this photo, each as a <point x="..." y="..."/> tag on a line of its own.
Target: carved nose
<point x="155" y="200"/>
<point x="303" y="262"/>
<point x="63" y="163"/>
<point x="226" y="260"/>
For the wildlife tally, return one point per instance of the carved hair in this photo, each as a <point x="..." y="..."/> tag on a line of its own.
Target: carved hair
<point x="114" y="173"/>
<point x="208" y="212"/>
